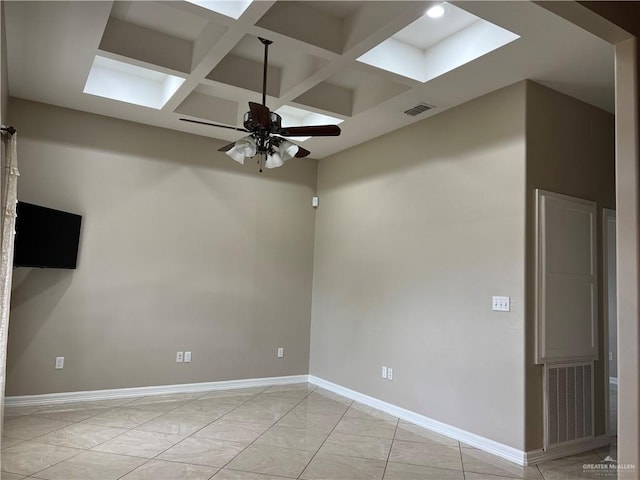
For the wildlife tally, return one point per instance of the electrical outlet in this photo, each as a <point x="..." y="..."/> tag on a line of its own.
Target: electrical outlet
<point x="280" y="352"/>
<point x="384" y="372"/>
<point x="179" y="357"/>
<point x="389" y="373"/>
<point x="59" y="362"/>
<point x="187" y="357"/>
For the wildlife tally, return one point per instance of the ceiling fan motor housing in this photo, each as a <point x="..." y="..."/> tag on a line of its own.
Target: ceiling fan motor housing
<point x="275" y="123"/>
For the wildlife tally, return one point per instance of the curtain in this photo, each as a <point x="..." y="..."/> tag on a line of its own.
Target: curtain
<point x="8" y="222"/>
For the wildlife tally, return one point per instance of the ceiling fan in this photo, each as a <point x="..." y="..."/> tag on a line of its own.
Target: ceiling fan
<point x="266" y="133"/>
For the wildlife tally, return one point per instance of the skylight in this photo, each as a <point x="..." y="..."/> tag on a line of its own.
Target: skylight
<point x="129" y="83"/>
<point x="293" y="117"/>
<point x="230" y="8"/>
<point x="430" y="47"/>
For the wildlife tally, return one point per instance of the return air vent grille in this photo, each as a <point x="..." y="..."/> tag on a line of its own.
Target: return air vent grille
<point x="418" y="109"/>
<point x="568" y="403"/>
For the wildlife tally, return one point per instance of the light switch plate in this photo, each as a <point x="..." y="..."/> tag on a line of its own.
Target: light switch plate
<point x="501" y="304"/>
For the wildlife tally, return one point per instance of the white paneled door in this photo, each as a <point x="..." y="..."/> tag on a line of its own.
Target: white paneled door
<point x="566" y="279"/>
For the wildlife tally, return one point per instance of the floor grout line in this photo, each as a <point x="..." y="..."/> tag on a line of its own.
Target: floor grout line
<point x="395" y="432"/>
<point x="325" y="440"/>
<point x="464" y="473"/>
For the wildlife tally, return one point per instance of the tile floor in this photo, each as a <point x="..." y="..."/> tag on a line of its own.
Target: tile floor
<point x="289" y="431"/>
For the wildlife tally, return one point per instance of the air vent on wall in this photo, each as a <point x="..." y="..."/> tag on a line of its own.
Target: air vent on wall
<point x="568" y="403"/>
<point x="418" y="109"/>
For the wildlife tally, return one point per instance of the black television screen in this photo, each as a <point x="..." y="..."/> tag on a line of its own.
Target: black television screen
<point x="45" y="237"/>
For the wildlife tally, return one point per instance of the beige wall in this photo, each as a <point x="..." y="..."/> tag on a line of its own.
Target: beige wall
<point x="181" y="249"/>
<point x="570" y="150"/>
<point x="415" y="232"/>
<point x="4" y="87"/>
<point x="3" y="118"/>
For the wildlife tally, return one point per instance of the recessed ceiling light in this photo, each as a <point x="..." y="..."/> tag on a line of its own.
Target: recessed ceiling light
<point x="436" y="11"/>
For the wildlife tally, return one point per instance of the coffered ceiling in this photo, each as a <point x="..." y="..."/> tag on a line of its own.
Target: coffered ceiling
<point x="360" y="63"/>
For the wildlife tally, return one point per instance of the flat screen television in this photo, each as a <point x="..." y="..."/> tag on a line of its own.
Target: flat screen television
<point x="45" y="237"/>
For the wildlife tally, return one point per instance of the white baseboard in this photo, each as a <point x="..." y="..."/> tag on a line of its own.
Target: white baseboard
<point x="93" y="395"/>
<point x="613" y="380"/>
<point x="486" y="444"/>
<point x="490" y="446"/>
<point x="567" y="449"/>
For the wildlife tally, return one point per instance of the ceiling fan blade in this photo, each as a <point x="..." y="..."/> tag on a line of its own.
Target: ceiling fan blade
<point x="260" y="115"/>
<point x="213" y="124"/>
<point x="302" y="152"/>
<point x="226" y="148"/>
<point x="311" y="131"/>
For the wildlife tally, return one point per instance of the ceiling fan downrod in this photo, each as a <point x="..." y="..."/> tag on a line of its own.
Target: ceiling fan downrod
<point x="266" y="44"/>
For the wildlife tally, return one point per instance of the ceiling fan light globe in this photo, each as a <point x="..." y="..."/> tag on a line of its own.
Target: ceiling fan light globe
<point x="248" y="144"/>
<point x="288" y="150"/>
<point x="237" y="154"/>
<point x="274" y="160"/>
<point x="244" y="148"/>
